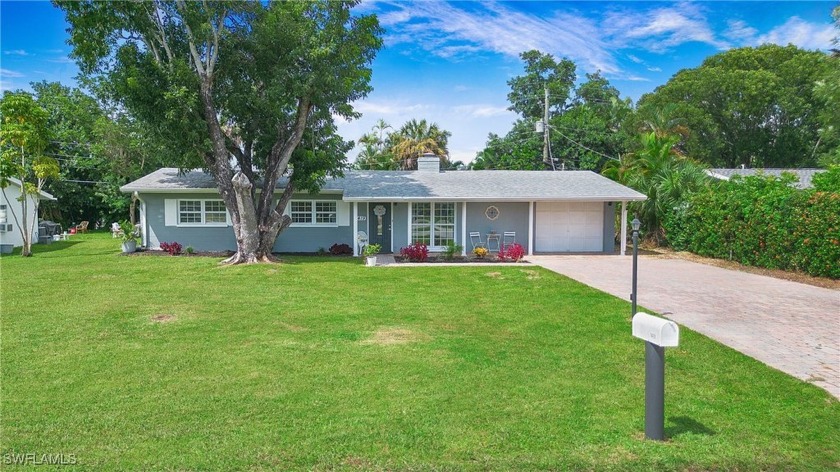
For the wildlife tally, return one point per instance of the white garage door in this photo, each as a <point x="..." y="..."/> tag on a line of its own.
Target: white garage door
<point x="569" y="227"/>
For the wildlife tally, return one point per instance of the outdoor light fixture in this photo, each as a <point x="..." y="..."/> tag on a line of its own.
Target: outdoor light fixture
<point x="636" y="225"/>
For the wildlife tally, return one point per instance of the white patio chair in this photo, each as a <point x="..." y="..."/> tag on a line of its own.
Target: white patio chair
<point x="475" y="240"/>
<point x="509" y="237"/>
<point x="116" y="231"/>
<point x="361" y="240"/>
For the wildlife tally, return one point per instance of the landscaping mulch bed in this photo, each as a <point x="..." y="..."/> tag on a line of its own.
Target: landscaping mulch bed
<point x="152" y="252"/>
<point x="457" y="260"/>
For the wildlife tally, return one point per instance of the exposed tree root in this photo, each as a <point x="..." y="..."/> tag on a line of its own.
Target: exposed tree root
<point x="240" y="258"/>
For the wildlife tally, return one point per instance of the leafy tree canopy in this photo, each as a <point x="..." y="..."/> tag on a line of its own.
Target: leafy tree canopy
<point x="245" y="89"/>
<point x="23" y="137"/>
<point x="752" y="106"/>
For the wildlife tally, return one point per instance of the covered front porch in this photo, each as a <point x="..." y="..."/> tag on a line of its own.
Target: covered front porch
<point x="538" y="226"/>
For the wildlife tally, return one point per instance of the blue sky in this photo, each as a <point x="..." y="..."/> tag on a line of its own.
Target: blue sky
<point x="449" y="62"/>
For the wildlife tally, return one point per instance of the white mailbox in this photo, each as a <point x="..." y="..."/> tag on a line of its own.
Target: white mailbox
<point x="656" y="330"/>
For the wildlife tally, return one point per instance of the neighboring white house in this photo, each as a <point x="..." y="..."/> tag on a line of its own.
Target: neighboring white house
<point x="11" y="206"/>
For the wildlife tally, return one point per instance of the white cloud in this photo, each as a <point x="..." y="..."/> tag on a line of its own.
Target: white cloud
<point x="636" y="78"/>
<point x="635" y="59"/>
<point x="16" y="52"/>
<point x="800" y="33"/>
<point x="660" y="29"/>
<point x="739" y="31"/>
<point x="10" y="73"/>
<point x="379" y="108"/>
<point x="655" y="69"/>
<point x="62" y="60"/>
<point x="6" y="85"/>
<point x="447" y="31"/>
<point x="482" y="111"/>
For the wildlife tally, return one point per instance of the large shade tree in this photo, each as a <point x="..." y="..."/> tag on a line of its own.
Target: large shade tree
<point x="246" y="90"/>
<point x="752" y="106"/>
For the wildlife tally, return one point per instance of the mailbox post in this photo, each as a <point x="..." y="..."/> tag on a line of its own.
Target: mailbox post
<point x="657" y="333"/>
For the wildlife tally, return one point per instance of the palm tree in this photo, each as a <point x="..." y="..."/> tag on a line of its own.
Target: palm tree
<point x="414" y="139"/>
<point x="375" y="154"/>
<point x="661" y="172"/>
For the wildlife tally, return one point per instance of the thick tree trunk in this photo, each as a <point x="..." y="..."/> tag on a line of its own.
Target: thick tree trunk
<point x="255" y="238"/>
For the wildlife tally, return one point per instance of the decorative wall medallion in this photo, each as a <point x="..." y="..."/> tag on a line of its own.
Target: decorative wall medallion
<point x="491" y="212"/>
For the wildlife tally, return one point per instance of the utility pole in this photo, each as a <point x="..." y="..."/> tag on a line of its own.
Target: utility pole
<point x="546" y="157"/>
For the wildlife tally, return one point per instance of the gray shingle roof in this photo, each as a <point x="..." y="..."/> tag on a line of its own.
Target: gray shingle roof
<point x="507" y="185"/>
<point x="804" y="175"/>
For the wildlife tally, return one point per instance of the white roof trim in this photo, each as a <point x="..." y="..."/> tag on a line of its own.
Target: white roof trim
<point x="44" y="195"/>
<point x="502" y="199"/>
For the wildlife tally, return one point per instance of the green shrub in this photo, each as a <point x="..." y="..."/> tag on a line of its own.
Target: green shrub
<point x="761" y="221"/>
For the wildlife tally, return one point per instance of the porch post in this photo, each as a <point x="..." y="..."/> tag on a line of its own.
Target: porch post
<point x="623" y="228"/>
<point x="530" y="228"/>
<point x="355" y="229"/>
<point x="409" y="225"/>
<point x="464" y="228"/>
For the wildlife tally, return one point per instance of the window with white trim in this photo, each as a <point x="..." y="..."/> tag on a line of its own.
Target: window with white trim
<point x="433" y="224"/>
<point x="202" y="212"/>
<point x="314" y="212"/>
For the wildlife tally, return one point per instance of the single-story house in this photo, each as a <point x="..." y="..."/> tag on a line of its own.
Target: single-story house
<point x="804" y="175"/>
<point x="548" y="212"/>
<point x="11" y="207"/>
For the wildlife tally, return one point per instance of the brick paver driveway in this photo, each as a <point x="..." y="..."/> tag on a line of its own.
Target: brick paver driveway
<point x="787" y="325"/>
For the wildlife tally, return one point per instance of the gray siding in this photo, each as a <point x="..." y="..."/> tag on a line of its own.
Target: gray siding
<point x="201" y="238"/>
<point x="609" y="227"/>
<point x="512" y="217"/>
<point x="209" y="238"/>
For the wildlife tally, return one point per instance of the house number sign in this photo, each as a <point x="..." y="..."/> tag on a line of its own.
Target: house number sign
<point x="379" y="211"/>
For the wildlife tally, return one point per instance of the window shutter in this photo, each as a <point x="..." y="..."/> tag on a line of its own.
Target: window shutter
<point x="343" y="210"/>
<point x="170" y="212"/>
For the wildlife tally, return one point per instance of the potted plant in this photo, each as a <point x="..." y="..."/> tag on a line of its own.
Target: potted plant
<point x="370" y="251"/>
<point x="128" y="237"/>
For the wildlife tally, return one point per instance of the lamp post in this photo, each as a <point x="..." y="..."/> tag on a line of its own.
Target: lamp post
<point x="636" y="225"/>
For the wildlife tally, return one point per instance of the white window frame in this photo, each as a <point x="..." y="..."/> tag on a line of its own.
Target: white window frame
<point x="202" y="211"/>
<point x="433" y="223"/>
<point x="315" y="212"/>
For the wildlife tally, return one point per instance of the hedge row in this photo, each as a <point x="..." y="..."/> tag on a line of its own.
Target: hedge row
<point x="764" y="222"/>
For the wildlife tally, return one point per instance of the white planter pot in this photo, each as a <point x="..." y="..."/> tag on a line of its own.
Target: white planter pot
<point x="370" y="261"/>
<point x="129" y="246"/>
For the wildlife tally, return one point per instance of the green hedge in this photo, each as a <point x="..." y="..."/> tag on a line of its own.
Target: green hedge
<point x="764" y="222"/>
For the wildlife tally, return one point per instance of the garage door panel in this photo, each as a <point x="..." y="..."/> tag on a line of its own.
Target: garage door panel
<point x="569" y="227"/>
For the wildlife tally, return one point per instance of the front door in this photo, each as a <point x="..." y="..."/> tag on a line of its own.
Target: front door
<point x="379" y="225"/>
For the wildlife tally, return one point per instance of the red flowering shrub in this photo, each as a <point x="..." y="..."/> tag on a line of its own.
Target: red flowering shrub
<point x="416" y="252"/>
<point x="341" y="249"/>
<point x="172" y="248"/>
<point x="514" y="252"/>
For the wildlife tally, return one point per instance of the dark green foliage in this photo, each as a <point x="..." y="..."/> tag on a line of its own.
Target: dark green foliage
<point x="762" y="221"/>
<point x="753" y="106"/>
<point x="828" y="181"/>
<point x="585" y="130"/>
<point x="98" y="153"/>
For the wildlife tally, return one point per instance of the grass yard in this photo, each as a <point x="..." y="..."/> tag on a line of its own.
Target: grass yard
<point x="175" y="363"/>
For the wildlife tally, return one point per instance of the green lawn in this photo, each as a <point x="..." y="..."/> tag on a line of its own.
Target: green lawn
<point x="320" y="363"/>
